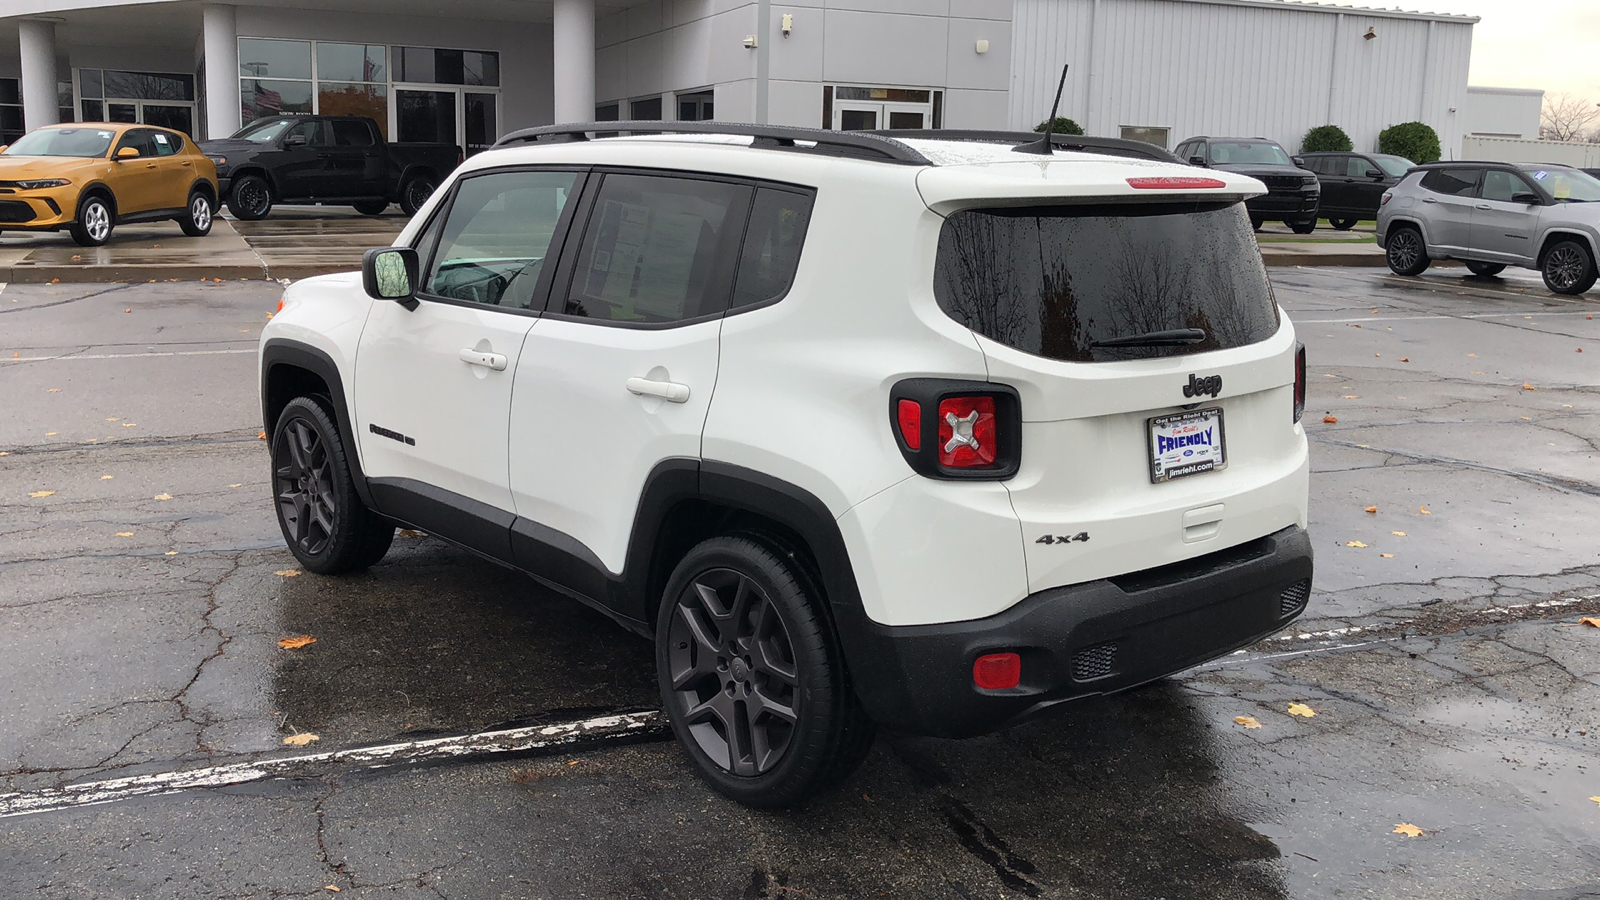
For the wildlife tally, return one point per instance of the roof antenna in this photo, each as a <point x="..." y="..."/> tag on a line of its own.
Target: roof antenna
<point x="1042" y="145"/>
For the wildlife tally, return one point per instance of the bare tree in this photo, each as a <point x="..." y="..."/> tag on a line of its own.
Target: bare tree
<point x="1565" y="117"/>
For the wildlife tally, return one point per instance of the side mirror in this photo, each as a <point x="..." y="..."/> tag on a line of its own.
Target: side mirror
<point x="1525" y="197"/>
<point x="1197" y="160"/>
<point x="1375" y="174"/>
<point x="390" y="273"/>
<point x="127" y="153"/>
<point x="295" y="140"/>
<point x="1298" y="160"/>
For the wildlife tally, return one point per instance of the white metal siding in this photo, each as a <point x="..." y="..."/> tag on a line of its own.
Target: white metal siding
<point x="1503" y="112"/>
<point x="1224" y="69"/>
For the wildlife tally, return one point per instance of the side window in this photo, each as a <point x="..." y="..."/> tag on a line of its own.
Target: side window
<point x="1501" y="185"/>
<point x="772" y="243"/>
<point x="138" y="139"/>
<point x="491" y="248"/>
<point x="351" y="133"/>
<point x="1455" y="182"/>
<point x="1359" y="166"/>
<point x="165" y="144"/>
<point x="315" y="133"/>
<point x="657" y="249"/>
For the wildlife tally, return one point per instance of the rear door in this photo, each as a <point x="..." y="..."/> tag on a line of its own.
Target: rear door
<point x="1176" y="438"/>
<point x="619" y="374"/>
<point x="1504" y="230"/>
<point x="353" y="162"/>
<point x="1449" y="194"/>
<point x="174" y="169"/>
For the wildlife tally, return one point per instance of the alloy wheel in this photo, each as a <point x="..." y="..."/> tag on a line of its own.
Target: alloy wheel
<point x="97" y="221"/>
<point x="734" y="674"/>
<point x="1404" y="249"/>
<point x="418" y="192"/>
<point x="253" y="197"/>
<point x="1565" y="267"/>
<point x="200" y="213"/>
<point x="303" y="484"/>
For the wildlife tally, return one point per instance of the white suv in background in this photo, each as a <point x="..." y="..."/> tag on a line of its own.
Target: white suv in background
<point x="929" y="433"/>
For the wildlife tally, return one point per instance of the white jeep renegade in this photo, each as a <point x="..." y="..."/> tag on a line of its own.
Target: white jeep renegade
<point x="925" y="432"/>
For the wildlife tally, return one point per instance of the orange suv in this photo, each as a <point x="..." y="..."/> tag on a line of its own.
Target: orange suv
<point x="91" y="177"/>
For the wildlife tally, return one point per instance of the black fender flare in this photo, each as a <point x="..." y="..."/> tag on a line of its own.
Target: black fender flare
<point x="205" y="185"/>
<point x="283" y="352"/>
<point x="256" y="169"/>
<point x="96" y="187"/>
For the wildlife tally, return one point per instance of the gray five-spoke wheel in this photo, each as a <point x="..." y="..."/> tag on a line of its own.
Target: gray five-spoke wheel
<point x="1565" y="267"/>
<point x="97" y="221"/>
<point x="200" y="212"/>
<point x="303" y="484"/>
<point x="733" y="671"/>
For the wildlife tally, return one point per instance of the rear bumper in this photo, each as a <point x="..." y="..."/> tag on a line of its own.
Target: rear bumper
<point x="1086" y="639"/>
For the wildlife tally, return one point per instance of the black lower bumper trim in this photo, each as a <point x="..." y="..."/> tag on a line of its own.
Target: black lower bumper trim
<point x="1094" y="638"/>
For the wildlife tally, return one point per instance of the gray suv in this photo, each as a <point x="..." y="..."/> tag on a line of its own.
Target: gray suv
<point x="1491" y="215"/>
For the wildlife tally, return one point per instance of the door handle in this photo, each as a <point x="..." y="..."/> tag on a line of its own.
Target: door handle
<point x="495" y="361"/>
<point x="1429" y="200"/>
<point x="666" y="390"/>
<point x="1483" y="206"/>
<point x="187" y="164"/>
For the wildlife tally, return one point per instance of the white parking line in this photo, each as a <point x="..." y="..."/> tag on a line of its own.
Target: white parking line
<point x="1545" y="314"/>
<point x="485" y="744"/>
<point x="126" y="355"/>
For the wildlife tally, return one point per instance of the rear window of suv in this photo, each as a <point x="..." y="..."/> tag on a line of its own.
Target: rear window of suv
<point x="1054" y="281"/>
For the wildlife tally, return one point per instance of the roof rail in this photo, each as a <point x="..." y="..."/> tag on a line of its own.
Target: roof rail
<point x="855" y="144"/>
<point x="1103" y="145"/>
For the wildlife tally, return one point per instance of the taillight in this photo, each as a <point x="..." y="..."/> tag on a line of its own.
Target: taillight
<point x="957" y="429"/>
<point x="1299" y="380"/>
<point x="1175" y="183"/>
<point x="1387" y="196"/>
<point x="997" y="671"/>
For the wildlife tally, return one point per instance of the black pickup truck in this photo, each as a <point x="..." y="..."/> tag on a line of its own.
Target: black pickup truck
<point x="324" y="159"/>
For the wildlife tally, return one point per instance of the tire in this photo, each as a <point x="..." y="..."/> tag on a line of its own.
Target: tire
<point x="1256" y="222"/>
<point x="371" y="207"/>
<point x="1406" y="252"/>
<point x="1483" y="269"/>
<point x="198" y="221"/>
<point x="415" y="192"/>
<point x="1342" y="224"/>
<point x="752" y="678"/>
<point x="250" y="199"/>
<point x="323" y="520"/>
<point x="1302" y="227"/>
<point x="1568" y="268"/>
<point x="94" y="222"/>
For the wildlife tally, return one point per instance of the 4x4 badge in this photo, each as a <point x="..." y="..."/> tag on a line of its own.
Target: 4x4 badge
<point x="1211" y="385"/>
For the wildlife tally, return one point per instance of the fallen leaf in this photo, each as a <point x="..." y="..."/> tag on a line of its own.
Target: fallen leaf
<point x="1424" y="510"/>
<point x="128" y="310"/>
<point x="76" y="257"/>
<point x="1472" y="356"/>
<point x="1374" y="310"/>
<point x="51" y="433"/>
<point x="295" y="643"/>
<point x="1579" y="350"/>
<point x="1357" y="325"/>
<point x="1300" y="709"/>
<point x="1526" y="418"/>
<point x="163" y="496"/>
<point x="1595" y="799"/>
<point x="301" y="739"/>
<point x="172" y="553"/>
<point x="572" y="763"/>
<point x="52" y="390"/>
<point x="287" y="573"/>
<point x="55" y="281"/>
<point x="1590" y="621"/>
<point x="129" y="424"/>
<point x="236" y="485"/>
<point x="262" y="436"/>
<point x="1378" y="355"/>
<point x="107" y="477"/>
<point x="1330" y="420"/>
<point x="41" y="493"/>
<point x="326" y="887"/>
<point x="1246" y="721"/>
<point x="112" y="419"/>
<point x="1528" y="387"/>
<point x="1349" y="396"/>
<point x="124" y="534"/>
<point x="1398" y="533"/>
<point x="1408" y="829"/>
<point x="1354" y="544"/>
<point x="1387" y="555"/>
<point x="1405" y="359"/>
<point x="1373" y="510"/>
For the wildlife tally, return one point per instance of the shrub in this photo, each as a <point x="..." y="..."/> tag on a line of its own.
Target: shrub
<point x="1063" y="125"/>
<point x="1412" y="140"/>
<point x="1326" y="139"/>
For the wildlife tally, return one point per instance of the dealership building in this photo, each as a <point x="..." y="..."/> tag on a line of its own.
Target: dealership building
<point x="468" y="71"/>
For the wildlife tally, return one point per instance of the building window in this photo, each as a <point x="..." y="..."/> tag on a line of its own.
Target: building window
<point x="647" y="110"/>
<point x="10" y="110"/>
<point x="165" y="99"/>
<point x="278" y="78"/>
<point x="433" y="65"/>
<point x="607" y="112"/>
<point x="696" y="107"/>
<point x="852" y="108"/>
<point x="1147" y="134"/>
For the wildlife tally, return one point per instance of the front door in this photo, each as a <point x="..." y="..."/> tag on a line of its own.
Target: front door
<point x="1364" y="193"/>
<point x="434" y="382"/>
<point x="298" y="165"/>
<point x="1503" y="230"/>
<point x="618" y="376"/>
<point x="137" y="182"/>
<point x="469" y="119"/>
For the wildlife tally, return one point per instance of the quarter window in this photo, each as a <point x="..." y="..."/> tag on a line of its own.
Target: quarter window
<point x="492" y="247"/>
<point x="772" y="243"/>
<point x="1501" y="185"/>
<point x="654" y="249"/>
<point x="1455" y="182"/>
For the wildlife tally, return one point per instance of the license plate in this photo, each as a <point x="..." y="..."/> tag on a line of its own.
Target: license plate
<point x="1186" y="444"/>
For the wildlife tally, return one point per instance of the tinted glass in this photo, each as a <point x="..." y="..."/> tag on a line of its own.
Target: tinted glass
<point x="63" y="142"/>
<point x="351" y="133"/>
<point x="1455" y="182"/>
<point x="1567" y="185"/>
<point x="93" y="111"/>
<point x="148" y="86"/>
<point x="165" y="144"/>
<point x="263" y="132"/>
<point x="138" y="139"/>
<point x="1249" y="153"/>
<point x="351" y="62"/>
<point x="1393" y="166"/>
<point x="1359" y="166"/>
<point x="274" y="59"/>
<point x="274" y="98"/>
<point x="606" y="113"/>
<point x="645" y="110"/>
<point x="89" y="83"/>
<point x="178" y="118"/>
<point x="1499" y="185"/>
<point x="315" y="133"/>
<point x="369" y="100"/>
<point x="651" y="250"/>
<point x="429" y="65"/>
<point x="492" y="247"/>
<point x="1051" y="281"/>
<point x="772" y="243"/>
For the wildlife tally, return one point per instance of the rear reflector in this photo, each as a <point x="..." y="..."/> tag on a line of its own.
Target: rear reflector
<point x="909" y="414"/>
<point x="1174" y="183"/>
<point x="1299" y="380"/>
<point x="997" y="671"/>
<point x="967" y="433"/>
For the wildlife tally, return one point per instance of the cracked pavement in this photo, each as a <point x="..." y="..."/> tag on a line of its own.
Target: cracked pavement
<point x="1451" y="687"/>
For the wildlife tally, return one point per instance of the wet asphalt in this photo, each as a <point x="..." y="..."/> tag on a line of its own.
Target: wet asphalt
<point x="142" y="601"/>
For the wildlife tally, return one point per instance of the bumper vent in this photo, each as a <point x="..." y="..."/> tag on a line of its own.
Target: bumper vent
<point x="1293" y="599"/>
<point x="15" y="211"/>
<point x="1094" y="662"/>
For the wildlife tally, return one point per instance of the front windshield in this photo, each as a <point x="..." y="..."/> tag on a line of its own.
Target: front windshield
<point x="1394" y="166"/>
<point x="1567" y="185"/>
<point x="1249" y="153"/>
<point x="263" y="132"/>
<point x="85" y="142"/>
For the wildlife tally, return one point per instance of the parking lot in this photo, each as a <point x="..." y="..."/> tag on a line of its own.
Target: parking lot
<point x="144" y="589"/>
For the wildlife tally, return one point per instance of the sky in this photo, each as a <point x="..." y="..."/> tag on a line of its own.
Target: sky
<point x="1549" y="44"/>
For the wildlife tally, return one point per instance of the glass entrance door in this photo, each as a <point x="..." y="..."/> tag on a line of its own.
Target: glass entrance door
<point x="854" y="115"/>
<point x="468" y="119"/>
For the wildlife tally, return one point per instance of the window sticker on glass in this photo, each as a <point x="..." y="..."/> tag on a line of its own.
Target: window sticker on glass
<point x="106" y="134"/>
<point x="1540" y="175"/>
<point x="161" y="138"/>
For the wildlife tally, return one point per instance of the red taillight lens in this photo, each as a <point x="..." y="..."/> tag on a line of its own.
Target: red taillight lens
<point x="1386" y="198"/>
<point x="997" y="671"/>
<point x="1299" y="381"/>
<point x="909" y="415"/>
<point x="967" y="433"/>
<point x="1175" y="183"/>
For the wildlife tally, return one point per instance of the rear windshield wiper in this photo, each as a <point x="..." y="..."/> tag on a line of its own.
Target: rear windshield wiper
<point x="1177" y="337"/>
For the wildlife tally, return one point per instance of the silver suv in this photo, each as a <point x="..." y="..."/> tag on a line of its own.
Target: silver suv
<point x="1491" y="215"/>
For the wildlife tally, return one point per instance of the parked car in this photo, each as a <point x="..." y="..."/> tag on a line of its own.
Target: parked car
<point x="1293" y="194"/>
<point x="89" y="178"/>
<point x="1353" y="184"/>
<point x="325" y="159"/>
<point x="1491" y="215"/>
<point x="817" y="413"/>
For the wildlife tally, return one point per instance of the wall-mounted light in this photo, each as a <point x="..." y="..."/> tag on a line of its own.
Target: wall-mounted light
<point x="788" y="24"/>
<point x="1371" y="33"/>
<point x="983" y="46"/>
<point x="750" y="42"/>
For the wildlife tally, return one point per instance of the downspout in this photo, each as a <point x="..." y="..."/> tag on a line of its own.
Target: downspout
<point x="763" y="60"/>
<point x="1089" y="72"/>
<point x="1333" y="67"/>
